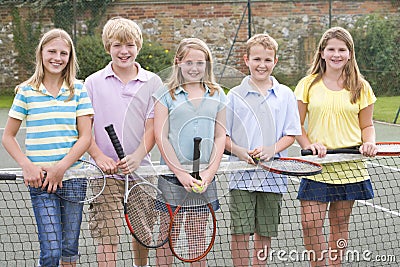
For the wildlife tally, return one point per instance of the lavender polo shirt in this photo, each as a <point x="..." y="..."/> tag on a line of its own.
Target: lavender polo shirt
<point x="126" y="106"/>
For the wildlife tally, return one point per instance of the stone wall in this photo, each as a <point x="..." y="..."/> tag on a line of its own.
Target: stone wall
<point x="296" y="25"/>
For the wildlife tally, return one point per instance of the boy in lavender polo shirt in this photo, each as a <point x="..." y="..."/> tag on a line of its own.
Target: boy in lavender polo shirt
<point x="121" y="95"/>
<point x="262" y="121"/>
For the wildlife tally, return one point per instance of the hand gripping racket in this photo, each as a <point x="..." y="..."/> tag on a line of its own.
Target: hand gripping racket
<point x="193" y="225"/>
<point x="143" y="205"/>
<point x="82" y="183"/>
<point x="384" y="149"/>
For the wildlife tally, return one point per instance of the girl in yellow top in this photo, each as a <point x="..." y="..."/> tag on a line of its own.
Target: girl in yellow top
<point x="339" y="104"/>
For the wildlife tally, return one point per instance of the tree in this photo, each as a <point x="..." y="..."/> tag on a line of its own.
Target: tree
<point x="376" y="41"/>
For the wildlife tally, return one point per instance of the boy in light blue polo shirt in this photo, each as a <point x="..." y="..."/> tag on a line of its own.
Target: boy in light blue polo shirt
<point x="262" y="121"/>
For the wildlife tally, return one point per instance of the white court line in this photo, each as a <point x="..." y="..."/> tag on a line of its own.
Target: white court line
<point x="384" y="166"/>
<point x="378" y="207"/>
<point x="21" y="128"/>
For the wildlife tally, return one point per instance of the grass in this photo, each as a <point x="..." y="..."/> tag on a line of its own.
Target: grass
<point x="385" y="107"/>
<point x="6" y="101"/>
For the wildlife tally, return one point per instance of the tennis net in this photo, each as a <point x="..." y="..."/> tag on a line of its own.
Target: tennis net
<point x="374" y="236"/>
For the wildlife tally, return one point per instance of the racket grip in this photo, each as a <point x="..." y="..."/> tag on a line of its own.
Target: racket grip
<point x="8" y="176"/>
<point x="227" y="152"/>
<point x="114" y="140"/>
<point x="196" y="157"/>
<point x="306" y="152"/>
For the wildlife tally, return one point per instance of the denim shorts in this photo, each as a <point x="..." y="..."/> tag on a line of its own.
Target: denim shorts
<point x="323" y="192"/>
<point x="58" y="223"/>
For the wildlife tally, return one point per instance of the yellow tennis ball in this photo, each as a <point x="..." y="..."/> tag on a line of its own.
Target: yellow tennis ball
<point x="256" y="160"/>
<point x="197" y="188"/>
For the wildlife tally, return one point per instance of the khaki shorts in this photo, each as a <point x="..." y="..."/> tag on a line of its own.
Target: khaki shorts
<point x="106" y="217"/>
<point x="255" y="212"/>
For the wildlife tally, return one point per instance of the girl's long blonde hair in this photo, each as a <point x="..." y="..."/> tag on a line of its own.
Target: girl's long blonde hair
<point x="176" y="79"/>
<point x="69" y="72"/>
<point x="353" y="80"/>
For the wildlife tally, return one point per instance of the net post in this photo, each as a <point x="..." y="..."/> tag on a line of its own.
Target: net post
<point x="397" y="116"/>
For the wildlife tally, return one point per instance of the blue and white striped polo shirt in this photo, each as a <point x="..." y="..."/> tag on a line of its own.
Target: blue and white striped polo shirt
<point x="51" y="122"/>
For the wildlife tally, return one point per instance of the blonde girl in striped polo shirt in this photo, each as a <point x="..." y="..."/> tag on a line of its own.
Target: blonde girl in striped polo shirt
<point x="57" y="111"/>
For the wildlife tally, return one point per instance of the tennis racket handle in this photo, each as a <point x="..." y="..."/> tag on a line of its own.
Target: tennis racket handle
<point x="114" y="140"/>
<point x="196" y="157"/>
<point x="308" y="152"/>
<point x="8" y="176"/>
<point x="196" y="152"/>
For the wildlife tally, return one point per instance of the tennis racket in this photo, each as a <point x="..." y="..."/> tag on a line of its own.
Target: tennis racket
<point x="146" y="212"/>
<point x="193" y="225"/>
<point x="291" y="166"/>
<point x="384" y="149"/>
<point x="86" y="181"/>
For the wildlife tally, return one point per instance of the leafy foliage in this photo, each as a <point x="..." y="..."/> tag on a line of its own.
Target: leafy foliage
<point x="376" y="41"/>
<point x="154" y="57"/>
<point x="25" y="38"/>
<point x="64" y="13"/>
<point x="92" y="56"/>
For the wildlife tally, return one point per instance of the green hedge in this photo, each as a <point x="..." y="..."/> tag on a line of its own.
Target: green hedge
<point x="377" y="41"/>
<point x="92" y="56"/>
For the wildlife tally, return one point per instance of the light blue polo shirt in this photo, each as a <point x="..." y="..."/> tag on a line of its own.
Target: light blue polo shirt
<point x="255" y="120"/>
<point x="187" y="121"/>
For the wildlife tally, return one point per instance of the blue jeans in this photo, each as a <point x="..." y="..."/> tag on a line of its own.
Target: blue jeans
<point x="59" y="223"/>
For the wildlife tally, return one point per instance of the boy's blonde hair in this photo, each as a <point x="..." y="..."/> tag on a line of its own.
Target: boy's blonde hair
<point x="262" y="39"/>
<point x="122" y="30"/>
<point x="69" y="72"/>
<point x="353" y="80"/>
<point x="176" y="79"/>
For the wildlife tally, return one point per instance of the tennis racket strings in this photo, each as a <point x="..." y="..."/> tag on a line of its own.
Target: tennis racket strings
<point x="86" y="189"/>
<point x="292" y="166"/>
<point x="192" y="231"/>
<point x="82" y="183"/>
<point x="144" y="205"/>
<point x="144" y="212"/>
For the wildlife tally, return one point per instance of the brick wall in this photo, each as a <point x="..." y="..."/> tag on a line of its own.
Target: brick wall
<point x="296" y="25"/>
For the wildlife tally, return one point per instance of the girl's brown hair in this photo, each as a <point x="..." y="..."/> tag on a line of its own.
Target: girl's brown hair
<point x="353" y="80"/>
